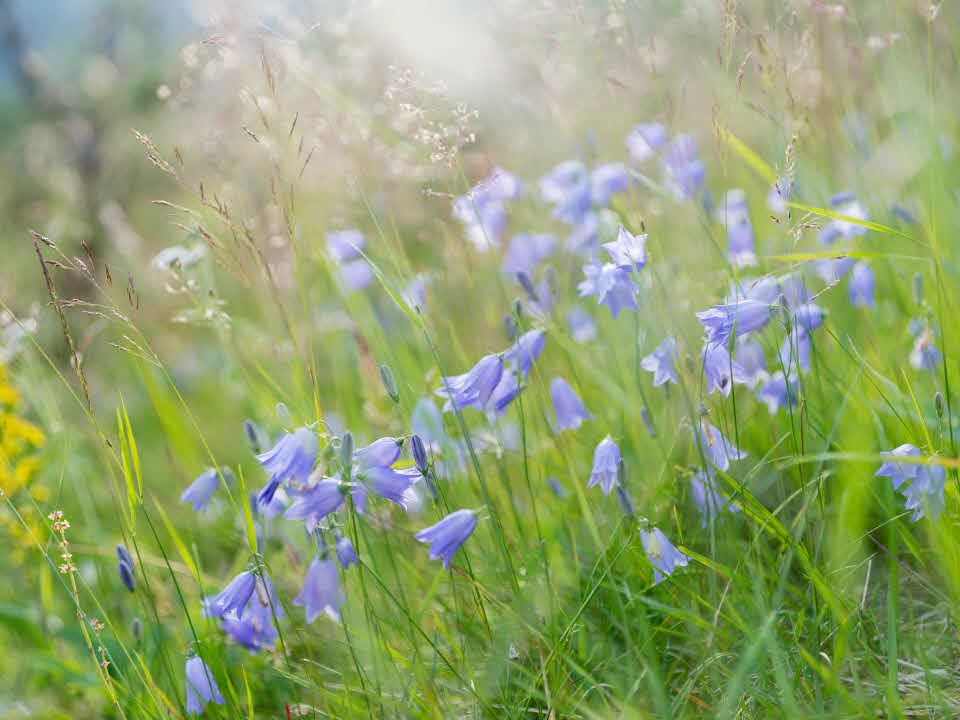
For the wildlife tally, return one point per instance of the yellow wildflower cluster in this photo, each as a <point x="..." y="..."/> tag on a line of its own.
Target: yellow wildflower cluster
<point x="19" y="442"/>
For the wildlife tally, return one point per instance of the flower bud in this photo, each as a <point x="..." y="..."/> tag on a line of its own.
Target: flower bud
<point x="346" y="451"/>
<point x="647" y="421"/>
<point x="938" y="404"/>
<point x="510" y="325"/>
<point x="419" y="453"/>
<point x="126" y="575"/>
<point x="389" y="382"/>
<point x="283" y="415"/>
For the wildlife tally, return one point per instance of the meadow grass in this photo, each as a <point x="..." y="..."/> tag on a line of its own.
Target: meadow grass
<point x="809" y="589"/>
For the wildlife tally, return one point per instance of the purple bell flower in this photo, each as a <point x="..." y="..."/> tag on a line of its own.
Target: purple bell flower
<point x="293" y="456"/>
<point x="720" y="371"/>
<point x="472" y="389"/>
<point x="794" y="291"/>
<point x="628" y="252"/>
<point x="446" y="536"/>
<point x="415" y="292"/>
<point x="254" y="628"/>
<point x="898" y="472"/>
<point x="611" y="285"/>
<point x="383" y="452"/>
<point x="527" y="349"/>
<point x="526" y="251"/>
<point x="201" y="687"/>
<point x="778" y="392"/>
<point x="582" y="327"/>
<point x="233" y="598"/>
<point x="738" y="318"/>
<point x="567" y="406"/>
<point x="644" y="141"/>
<point x="924" y="355"/>
<point x="346" y="555"/>
<point x="313" y="504"/>
<point x="808" y="317"/>
<point x="716" y="448"/>
<point x="748" y="355"/>
<point x="606" y="181"/>
<point x="345" y="244"/>
<point x="202" y="489"/>
<point x="389" y="483"/>
<point x="925" y="494"/>
<point x="684" y="174"/>
<point x="662" y="362"/>
<point x="795" y="351"/>
<point x="356" y="274"/>
<point x="832" y="270"/>
<point x="661" y="553"/>
<point x="606" y="458"/>
<point x="861" y="286"/>
<point x="321" y="590"/>
<point x="707" y="498"/>
<point x="763" y="289"/>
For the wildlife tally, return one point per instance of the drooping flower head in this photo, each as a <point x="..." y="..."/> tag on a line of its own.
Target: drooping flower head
<point x="683" y="172"/>
<point x="582" y="327"/>
<point x="346" y="555"/>
<point x="313" y="504"/>
<point x="606" y="458"/>
<point x="233" y="598"/>
<point x="345" y="244"/>
<point x="720" y="370"/>
<point x="607" y="180"/>
<point x="925" y="494"/>
<point x="446" y="536"/>
<point x="611" y="286"/>
<point x="924" y="355"/>
<point x="567" y="405"/>
<point x="645" y="140"/>
<point x="778" y="391"/>
<point x="472" y="389"/>
<point x="662" y="362"/>
<point x="394" y="485"/>
<point x="715" y="446"/>
<point x="664" y="557"/>
<point x="526" y="251"/>
<point x="293" y="456"/>
<point x="356" y="274"/>
<point x="203" y="488"/>
<point x="254" y="628"/>
<point x="321" y="590"/>
<point x="707" y="498"/>
<point x="737" y="318"/>
<point x="525" y="350"/>
<point x="899" y="472"/>
<point x="861" y="286"/>
<point x="628" y="251"/>
<point x="201" y="687"/>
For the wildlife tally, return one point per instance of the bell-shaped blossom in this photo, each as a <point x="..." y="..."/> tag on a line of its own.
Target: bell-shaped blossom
<point x="808" y="316"/>
<point x="446" y="536"/>
<point x="628" y="251"/>
<point x="482" y="211"/>
<point x="346" y="555"/>
<point x="661" y="553"/>
<point x="254" y="628"/>
<point x="293" y="456"/>
<point x="611" y="285"/>
<point x="606" y="458"/>
<point x="778" y="391"/>
<point x="720" y="370"/>
<point x="645" y="140"/>
<point x="472" y="389"/>
<point x="715" y="446"/>
<point x="900" y="472"/>
<point x="924" y="355"/>
<point x="606" y="181"/>
<point x="345" y="244"/>
<point x="313" y="504"/>
<point x="389" y="483"/>
<point x="707" y="498"/>
<point x="567" y="405"/>
<point x="795" y="350"/>
<point x="505" y="393"/>
<point x="356" y="274"/>
<point x="739" y="318"/>
<point x="525" y="351"/>
<point x="201" y="687"/>
<point x="748" y="356"/>
<point x="925" y="494"/>
<point x="233" y="598"/>
<point x="526" y="251"/>
<point x="202" y="489"/>
<point x="383" y="452"/>
<point x="861" y="286"/>
<point x="321" y="590"/>
<point x="684" y="174"/>
<point x="582" y="327"/>
<point x="414" y="294"/>
<point x="662" y="362"/>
